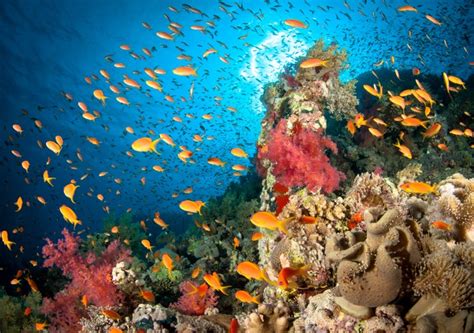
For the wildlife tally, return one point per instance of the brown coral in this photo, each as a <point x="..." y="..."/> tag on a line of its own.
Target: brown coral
<point x="448" y="274"/>
<point x="370" y="190"/>
<point x="374" y="272"/>
<point x="269" y="319"/>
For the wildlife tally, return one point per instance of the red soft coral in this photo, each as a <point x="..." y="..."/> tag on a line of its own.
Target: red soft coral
<point x="299" y="159"/>
<point x="195" y="299"/>
<point x="90" y="276"/>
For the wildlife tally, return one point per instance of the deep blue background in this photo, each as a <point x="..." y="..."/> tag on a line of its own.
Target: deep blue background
<point x="47" y="47"/>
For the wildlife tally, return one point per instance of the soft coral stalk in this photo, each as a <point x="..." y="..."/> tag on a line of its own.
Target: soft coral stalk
<point x="299" y="158"/>
<point x="90" y="276"/>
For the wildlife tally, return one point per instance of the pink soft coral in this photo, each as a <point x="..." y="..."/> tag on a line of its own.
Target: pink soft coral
<point x="195" y="299"/>
<point x="90" y="276"/>
<point x="299" y="159"/>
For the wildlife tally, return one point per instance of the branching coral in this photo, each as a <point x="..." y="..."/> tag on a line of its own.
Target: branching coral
<point x="90" y="276"/>
<point x="299" y="159"/>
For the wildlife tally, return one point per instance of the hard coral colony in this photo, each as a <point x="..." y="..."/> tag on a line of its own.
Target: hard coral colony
<point x="357" y="215"/>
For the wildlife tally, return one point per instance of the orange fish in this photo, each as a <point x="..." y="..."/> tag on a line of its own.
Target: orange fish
<point x="19" y="204"/>
<point x="256" y="236"/>
<point x="158" y="220"/>
<point x="167" y="262"/>
<point x="443" y="147"/>
<point x="432" y="130"/>
<point x="201" y="290"/>
<point x="375" y="132"/>
<point x="216" y="161"/>
<point x="195" y="272"/>
<point x="146" y="244"/>
<point x="32" y="284"/>
<point x="418" y="188"/>
<point x="269" y="221"/>
<point x="441" y="225"/>
<point x="239" y="152"/>
<point x="359" y="120"/>
<point x="47" y="178"/>
<point x="6" y="241"/>
<point x="305" y="219"/>
<point x="147" y="295"/>
<point x="432" y="19"/>
<point x="288" y="273"/>
<point x="110" y="314"/>
<point x="313" y="62"/>
<point x="407" y="9"/>
<point x="191" y="206"/>
<point x="252" y="271"/>
<point x="245" y="297"/>
<point x="185" y="71"/>
<point x="215" y="283"/>
<point x="351" y="127"/>
<point x="236" y="242"/>
<point x="295" y="23"/>
<point x="41" y="326"/>
<point x="404" y="150"/>
<point x="27" y="311"/>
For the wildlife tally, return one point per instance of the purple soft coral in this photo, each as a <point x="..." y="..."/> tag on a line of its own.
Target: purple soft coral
<point x="195" y="299"/>
<point x="299" y="159"/>
<point x="90" y="276"/>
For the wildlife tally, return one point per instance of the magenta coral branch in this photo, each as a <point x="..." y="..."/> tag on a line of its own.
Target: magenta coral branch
<point x="90" y="276"/>
<point x="299" y="158"/>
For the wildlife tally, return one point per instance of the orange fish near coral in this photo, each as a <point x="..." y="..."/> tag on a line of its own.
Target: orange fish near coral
<point x="252" y="271"/>
<point x="441" y="225"/>
<point x="215" y="283"/>
<point x="418" y="188"/>
<point x="167" y="262"/>
<point x="147" y="295"/>
<point x="286" y="274"/>
<point x="110" y="314"/>
<point x="269" y="221"/>
<point x="313" y="62"/>
<point x="245" y="297"/>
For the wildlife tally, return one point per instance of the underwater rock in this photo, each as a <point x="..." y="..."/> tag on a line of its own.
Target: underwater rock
<point x="375" y="271"/>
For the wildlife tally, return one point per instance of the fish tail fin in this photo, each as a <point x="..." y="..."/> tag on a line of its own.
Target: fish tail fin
<point x="153" y="146"/>
<point x="9" y="244"/>
<point x="282" y="226"/>
<point x="223" y="289"/>
<point x="267" y="279"/>
<point x="423" y="124"/>
<point x="324" y="63"/>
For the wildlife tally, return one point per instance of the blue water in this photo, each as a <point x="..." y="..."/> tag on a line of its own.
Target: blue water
<point x="49" y="47"/>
